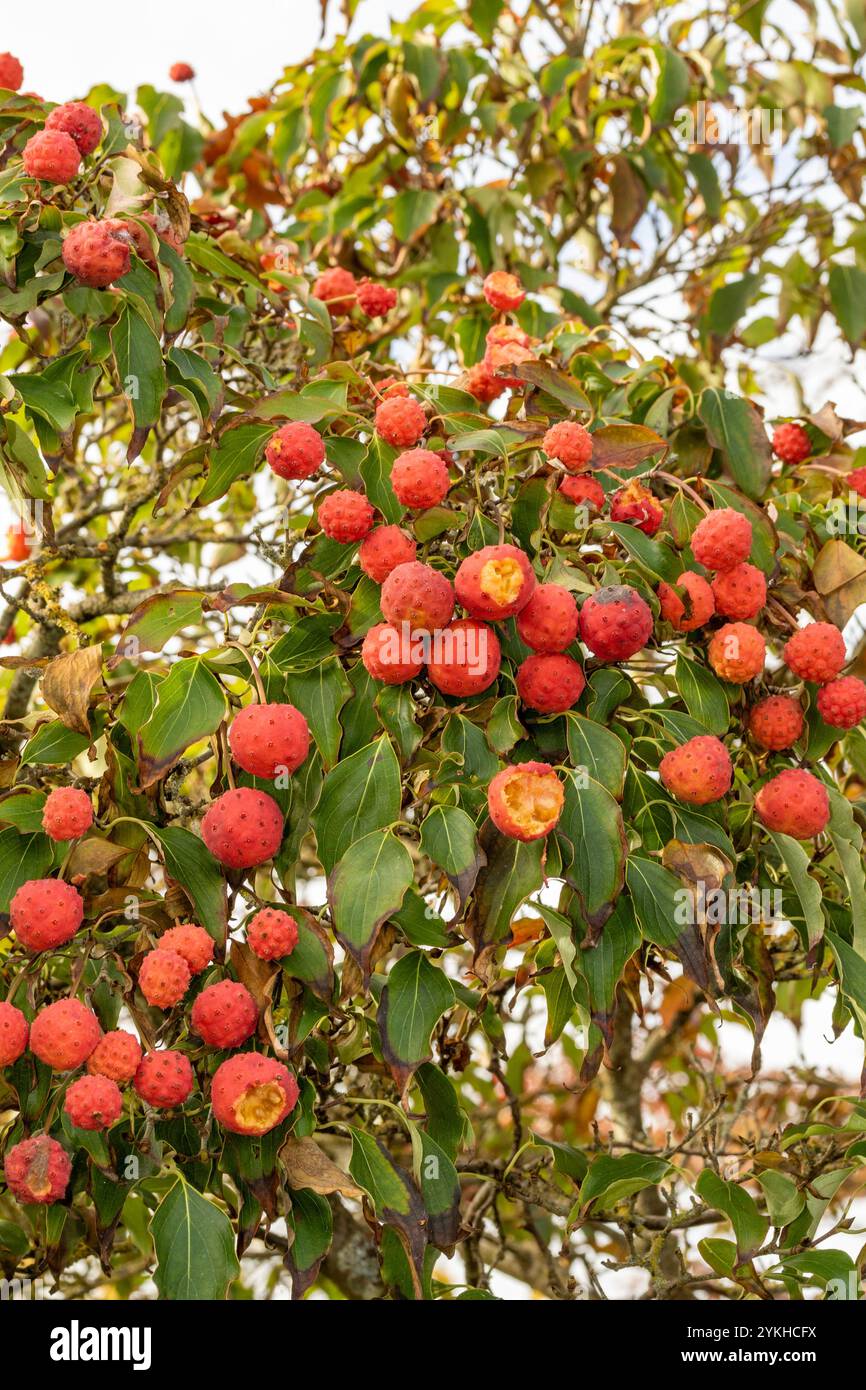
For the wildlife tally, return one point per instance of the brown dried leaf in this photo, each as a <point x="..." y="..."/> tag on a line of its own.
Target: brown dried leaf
<point x="307" y="1166"/>
<point x="67" y="684"/>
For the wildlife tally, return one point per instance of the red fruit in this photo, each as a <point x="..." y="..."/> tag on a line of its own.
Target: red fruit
<point x="857" y="481"/>
<point x="615" y="622"/>
<point x="272" y="934"/>
<point x="68" y="813"/>
<point x="842" y="703"/>
<point x="389" y="654"/>
<point x="296" y="450"/>
<point x="794" y="803"/>
<point x="225" y="1014"/>
<point x="583" y="489"/>
<point x="79" y="121"/>
<point x="816" y="652"/>
<point x="243" y="828"/>
<point x="465" y="658"/>
<point x="550" y="620"/>
<point x="160" y="223"/>
<point x="38" y="1170"/>
<point x="163" y="978"/>
<point x="346" y="516"/>
<point x="722" y="540"/>
<point x="164" y="1079"/>
<point x="267" y="739"/>
<point x="336" y="288"/>
<point x="46" y="912"/>
<point x="383" y="550"/>
<point x="503" y="291"/>
<point x="550" y="683"/>
<point x="98" y="253"/>
<point x="688" y="604"/>
<point x="388" y="386"/>
<point x="400" y="421"/>
<point x="53" y="156"/>
<point x="481" y="382"/>
<point x="193" y="944"/>
<point x="776" y="722"/>
<point x="93" y="1102"/>
<point x="181" y="72"/>
<point x="415" y="593"/>
<point x="699" y="771"/>
<point x="791" y="443"/>
<point x="18" y="544"/>
<point x="64" y="1034"/>
<point x="740" y="592"/>
<point x="636" y="505"/>
<point x="507" y="345"/>
<point x="570" y="443"/>
<point x="11" y="73"/>
<point x="375" y="300"/>
<point x="737" y="652"/>
<point x="252" y="1094"/>
<point x="14" y="1032"/>
<point x="525" y="801"/>
<point x="116" y="1055"/>
<point x="419" y="479"/>
<point x="495" y="582"/>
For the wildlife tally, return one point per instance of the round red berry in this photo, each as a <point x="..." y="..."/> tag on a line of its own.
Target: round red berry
<point x="68" y="813"/>
<point x="269" y="739"/>
<point x="45" y="913"/>
<point x="842" y="702"/>
<point x="816" y="652"/>
<point x="464" y="659"/>
<point x="383" y="550"/>
<point x="570" y="443"/>
<point x="419" y="479"/>
<point x="794" y="803"/>
<point x="93" y="1102"/>
<point x="615" y="622"/>
<point x="296" y="451"/>
<point x="272" y="934"/>
<point x="722" y="540"/>
<point x="242" y="828"/>
<point x="776" y="722"/>
<point x="224" y="1014"/>
<point x="346" y="516"/>
<point x="550" y="683"/>
<point x="164" y="1078"/>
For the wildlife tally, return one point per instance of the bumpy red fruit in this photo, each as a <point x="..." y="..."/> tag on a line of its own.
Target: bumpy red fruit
<point x="346" y="516"/>
<point x="550" y="620"/>
<point x="164" y="1079"/>
<point x="14" y="1032"/>
<point x="737" y="652"/>
<point x="794" y="803"/>
<point x="688" y="604"/>
<point x="842" y="702"/>
<point x="419" y="479"/>
<point x="46" y="912"/>
<point x="525" y="801"/>
<point x="776" y="722"/>
<point x="388" y="654"/>
<point x="856" y="479"/>
<point x="699" y="771"/>
<point x="740" y="592"/>
<point x="482" y="382"/>
<point x="400" y="421"/>
<point x="270" y="738"/>
<point x="582" y="491"/>
<point x="507" y="346"/>
<point x="296" y="451"/>
<point x="465" y="658"/>
<point x="93" y="1102"/>
<point x="242" y="828"/>
<point x="570" y="443"/>
<point x="375" y="300"/>
<point x="225" y="1014"/>
<point x="117" y="1055"/>
<point x="11" y="73"/>
<point x="79" y="121"/>
<point x="495" y="582"/>
<point x="336" y="288"/>
<point x="383" y="550"/>
<point x="181" y="72"/>
<point x="417" y="594"/>
<point x="163" y="978"/>
<point x="615" y="622"/>
<point x="816" y="652"/>
<point x="98" y="253"/>
<point x="272" y="934"/>
<point x="64" y="1034"/>
<point x="38" y="1170"/>
<point x="191" y="942"/>
<point x="503" y="291"/>
<point x="722" y="540"/>
<point x="635" y="505"/>
<point x="791" y="443"/>
<point x="252" y="1094"/>
<point x="550" y="683"/>
<point x="67" y="813"/>
<point x="53" y="156"/>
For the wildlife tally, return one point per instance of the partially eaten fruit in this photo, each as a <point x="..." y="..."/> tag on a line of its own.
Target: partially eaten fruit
<point x="252" y="1094"/>
<point x="525" y="801"/>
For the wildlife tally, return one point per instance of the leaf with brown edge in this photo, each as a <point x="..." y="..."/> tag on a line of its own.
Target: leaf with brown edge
<point x="307" y="1165"/>
<point x="696" y="865"/>
<point x="415" y="997"/>
<point x="67" y="685"/>
<point x="154" y="621"/>
<point x="625" y="446"/>
<point x="94" y="857"/>
<point x="839" y="575"/>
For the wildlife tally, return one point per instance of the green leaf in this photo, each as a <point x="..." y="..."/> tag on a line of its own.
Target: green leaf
<point x="847" y="285"/>
<point x="156" y="620"/>
<point x="808" y="890"/>
<point x="189" y="863"/>
<point x="439" y="1182"/>
<point x="312" y="960"/>
<point x="22" y="857"/>
<point x="848" y="843"/>
<point x="703" y="695"/>
<point x="190" y="706"/>
<point x="448" y="836"/>
<point x="411" y="211"/>
<point x="138" y="356"/>
<point x="194" y="1245"/>
<point x="235" y="456"/>
<point x="414" y="999"/>
<point x="592" y="837"/>
<point x="784" y="1199"/>
<point x="361" y="794"/>
<point x="320" y="694"/>
<point x="735" y="428"/>
<point x="513" y="871"/>
<point x="312" y="1225"/>
<point x="23" y="808"/>
<point x="598" y="749"/>
<point x="366" y="888"/>
<point x="658" y="559"/>
<point x="55" y="743"/>
<point x="750" y="1227"/>
<point x="672" y="85"/>
<point x="610" y="1180"/>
